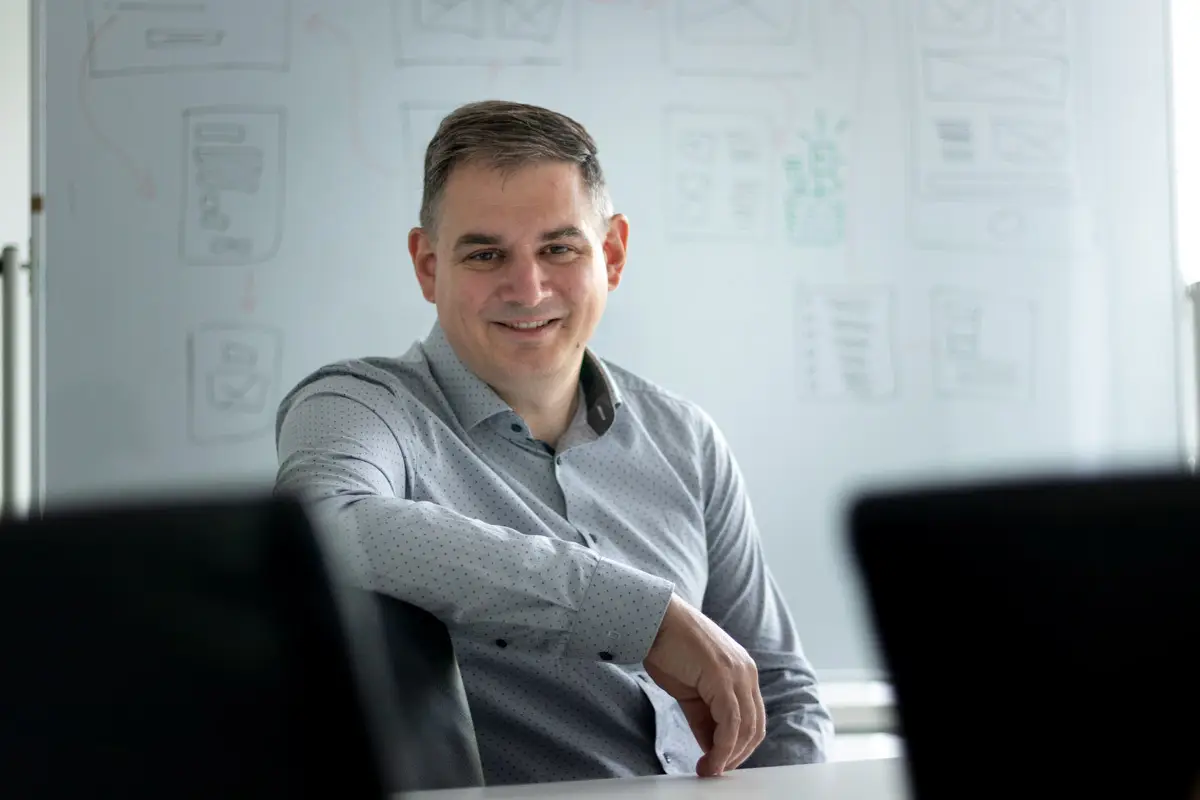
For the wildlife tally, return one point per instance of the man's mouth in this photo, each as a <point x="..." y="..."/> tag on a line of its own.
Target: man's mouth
<point x="528" y="326"/>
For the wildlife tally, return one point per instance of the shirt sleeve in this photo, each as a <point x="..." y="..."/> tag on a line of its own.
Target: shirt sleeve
<point x="533" y="592"/>
<point x="743" y="598"/>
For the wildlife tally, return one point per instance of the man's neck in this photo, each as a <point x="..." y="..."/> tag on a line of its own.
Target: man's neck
<point x="547" y="412"/>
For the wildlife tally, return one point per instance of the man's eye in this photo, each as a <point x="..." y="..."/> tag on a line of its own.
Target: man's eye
<point x="558" y="249"/>
<point x="486" y="255"/>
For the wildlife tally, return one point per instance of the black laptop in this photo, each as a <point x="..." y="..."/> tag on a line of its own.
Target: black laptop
<point x="1042" y="636"/>
<point x="184" y="649"/>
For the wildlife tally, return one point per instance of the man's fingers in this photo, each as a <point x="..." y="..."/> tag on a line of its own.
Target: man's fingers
<point x="728" y="719"/>
<point x="748" y="704"/>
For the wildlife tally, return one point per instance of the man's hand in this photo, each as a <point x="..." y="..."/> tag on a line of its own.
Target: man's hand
<point x="716" y="683"/>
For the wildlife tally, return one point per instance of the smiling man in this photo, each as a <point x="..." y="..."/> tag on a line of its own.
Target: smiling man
<point x="584" y="534"/>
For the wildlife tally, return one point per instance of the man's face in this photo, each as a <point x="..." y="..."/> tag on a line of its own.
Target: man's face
<point x="520" y="271"/>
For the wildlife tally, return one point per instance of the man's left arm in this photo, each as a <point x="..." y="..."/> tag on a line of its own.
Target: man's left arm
<point x="743" y="598"/>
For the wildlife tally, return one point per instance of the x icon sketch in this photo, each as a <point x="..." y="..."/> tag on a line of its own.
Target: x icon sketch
<point x="463" y="17"/>
<point x="1035" y="20"/>
<point x="960" y="17"/>
<point x="536" y="20"/>
<point x="987" y="77"/>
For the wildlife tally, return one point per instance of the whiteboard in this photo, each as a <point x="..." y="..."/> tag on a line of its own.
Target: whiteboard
<point x="877" y="241"/>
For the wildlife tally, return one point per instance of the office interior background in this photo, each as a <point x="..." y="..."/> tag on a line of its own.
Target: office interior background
<point x="860" y="701"/>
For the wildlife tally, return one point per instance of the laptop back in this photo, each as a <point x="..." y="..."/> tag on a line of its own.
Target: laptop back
<point x="177" y="649"/>
<point x="1042" y="637"/>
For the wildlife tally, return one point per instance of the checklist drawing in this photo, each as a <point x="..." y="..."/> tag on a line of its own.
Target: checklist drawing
<point x="491" y="33"/>
<point x="717" y="173"/>
<point x="739" y="37"/>
<point x="184" y="35"/>
<point x="983" y="346"/>
<point x="233" y="202"/>
<point x="993" y="151"/>
<point x="960" y="18"/>
<point x="234" y="374"/>
<point x="1034" y="21"/>
<point x="844" y="343"/>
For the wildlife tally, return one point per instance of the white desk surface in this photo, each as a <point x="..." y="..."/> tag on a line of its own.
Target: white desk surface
<point x="879" y="779"/>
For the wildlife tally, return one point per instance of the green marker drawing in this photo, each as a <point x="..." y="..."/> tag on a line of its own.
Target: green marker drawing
<point x="814" y="198"/>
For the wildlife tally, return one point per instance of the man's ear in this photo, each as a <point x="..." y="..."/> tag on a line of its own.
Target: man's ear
<point x="424" y="259"/>
<point x="616" y="243"/>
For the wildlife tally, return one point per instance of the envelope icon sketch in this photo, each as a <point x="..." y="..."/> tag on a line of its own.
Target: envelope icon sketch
<point x="736" y="21"/>
<point x="535" y="20"/>
<point x="451" y="16"/>
<point x="237" y="390"/>
<point x="962" y="17"/>
<point x="1035" y="19"/>
<point x="967" y="76"/>
<point x="1029" y="141"/>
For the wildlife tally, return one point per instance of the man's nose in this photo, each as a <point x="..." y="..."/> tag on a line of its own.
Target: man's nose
<point x="525" y="281"/>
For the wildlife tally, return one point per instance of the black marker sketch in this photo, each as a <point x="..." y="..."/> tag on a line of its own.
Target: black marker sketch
<point x="186" y="35"/>
<point x="844" y="343"/>
<point x="740" y="37"/>
<point x="1034" y="21"/>
<point x="965" y="18"/>
<point x="992" y="150"/>
<point x="718" y="173"/>
<point x="977" y="77"/>
<point x="234" y="165"/>
<point x="983" y="347"/>
<point x="493" y="33"/>
<point x="234" y="376"/>
<point x="1030" y="141"/>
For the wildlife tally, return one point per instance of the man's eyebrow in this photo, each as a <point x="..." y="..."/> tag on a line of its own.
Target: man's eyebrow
<point x="565" y="232"/>
<point x="476" y="239"/>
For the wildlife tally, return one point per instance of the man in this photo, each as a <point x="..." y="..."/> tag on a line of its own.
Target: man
<point x="584" y="534"/>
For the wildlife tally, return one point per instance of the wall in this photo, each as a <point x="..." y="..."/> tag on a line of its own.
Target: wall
<point x="14" y="182"/>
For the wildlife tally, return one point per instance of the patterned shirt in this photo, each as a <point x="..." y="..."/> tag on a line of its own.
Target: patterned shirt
<point x="551" y="566"/>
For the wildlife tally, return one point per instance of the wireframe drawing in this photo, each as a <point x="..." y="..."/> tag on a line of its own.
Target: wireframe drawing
<point x="844" y="343"/>
<point x="814" y="203"/>
<point x="234" y="374"/>
<point x="484" y="32"/>
<point x="740" y="37"/>
<point x="993" y="162"/>
<point x="1034" y="21"/>
<point x="983" y="346"/>
<point x="718" y="173"/>
<point x="182" y="35"/>
<point x="234" y="166"/>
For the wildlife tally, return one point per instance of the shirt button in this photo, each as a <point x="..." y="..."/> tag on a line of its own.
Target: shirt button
<point x="667" y="757"/>
<point x="558" y="461"/>
<point x="606" y="656"/>
<point x="516" y="428"/>
<point x="501" y="643"/>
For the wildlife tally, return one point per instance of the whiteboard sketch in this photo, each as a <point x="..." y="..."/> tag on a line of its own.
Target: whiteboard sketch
<point x="983" y="347"/>
<point x="814" y="193"/>
<point x="718" y="172"/>
<point x="484" y="32"/>
<point x="740" y="37"/>
<point x="992" y="151"/>
<point x="234" y="374"/>
<point x="844" y="343"/>
<point x="234" y="165"/>
<point x="128" y="38"/>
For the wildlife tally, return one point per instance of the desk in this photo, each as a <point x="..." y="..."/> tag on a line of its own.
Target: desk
<point x="881" y="779"/>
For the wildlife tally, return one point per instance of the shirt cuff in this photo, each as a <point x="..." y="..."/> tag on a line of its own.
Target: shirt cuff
<point x="620" y="614"/>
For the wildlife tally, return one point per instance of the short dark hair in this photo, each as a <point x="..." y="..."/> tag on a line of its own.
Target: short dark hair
<point x="507" y="136"/>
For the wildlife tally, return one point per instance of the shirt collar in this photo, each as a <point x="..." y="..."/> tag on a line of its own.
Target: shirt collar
<point x="473" y="401"/>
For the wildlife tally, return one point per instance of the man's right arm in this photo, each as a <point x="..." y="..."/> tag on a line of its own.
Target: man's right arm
<point x="532" y="592"/>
